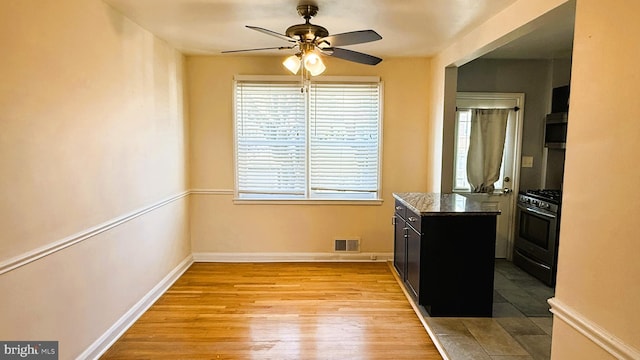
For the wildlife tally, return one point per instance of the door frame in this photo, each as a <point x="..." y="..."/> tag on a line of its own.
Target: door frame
<point x="489" y="100"/>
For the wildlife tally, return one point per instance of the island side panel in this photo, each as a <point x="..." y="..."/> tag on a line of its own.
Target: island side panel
<point x="458" y="264"/>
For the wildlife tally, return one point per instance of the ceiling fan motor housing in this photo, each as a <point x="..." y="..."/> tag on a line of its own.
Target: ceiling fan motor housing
<point x="307" y="31"/>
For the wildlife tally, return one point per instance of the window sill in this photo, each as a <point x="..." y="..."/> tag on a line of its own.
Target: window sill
<point x="375" y="202"/>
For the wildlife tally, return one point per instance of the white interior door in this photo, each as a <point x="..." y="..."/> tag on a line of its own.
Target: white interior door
<point x="504" y="196"/>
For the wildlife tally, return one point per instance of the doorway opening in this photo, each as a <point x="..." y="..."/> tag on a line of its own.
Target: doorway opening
<point x="501" y="194"/>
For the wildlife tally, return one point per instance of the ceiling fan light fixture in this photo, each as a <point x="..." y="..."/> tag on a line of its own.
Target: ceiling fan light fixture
<point x="314" y="64"/>
<point x="292" y="63"/>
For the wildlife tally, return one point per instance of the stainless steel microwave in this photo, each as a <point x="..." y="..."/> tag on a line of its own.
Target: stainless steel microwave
<point x="555" y="130"/>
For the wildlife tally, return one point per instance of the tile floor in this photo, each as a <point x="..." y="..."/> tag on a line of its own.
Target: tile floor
<point x="519" y="329"/>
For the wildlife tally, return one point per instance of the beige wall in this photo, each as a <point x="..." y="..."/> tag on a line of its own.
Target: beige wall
<point x="91" y="128"/>
<point x="218" y="225"/>
<point x="599" y="271"/>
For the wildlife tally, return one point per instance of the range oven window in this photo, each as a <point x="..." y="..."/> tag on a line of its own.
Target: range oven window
<point x="535" y="229"/>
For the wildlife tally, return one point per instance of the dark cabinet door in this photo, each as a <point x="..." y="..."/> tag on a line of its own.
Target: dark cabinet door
<point x="413" y="262"/>
<point x="399" y="247"/>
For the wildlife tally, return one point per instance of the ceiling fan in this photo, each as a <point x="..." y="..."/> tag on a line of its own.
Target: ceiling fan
<point x="310" y="40"/>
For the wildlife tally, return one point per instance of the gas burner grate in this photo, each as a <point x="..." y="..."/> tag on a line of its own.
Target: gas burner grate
<point x="551" y="195"/>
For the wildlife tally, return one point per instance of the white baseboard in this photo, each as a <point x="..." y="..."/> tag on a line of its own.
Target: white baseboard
<point x="290" y="257"/>
<point x="107" y="339"/>
<point x="601" y="337"/>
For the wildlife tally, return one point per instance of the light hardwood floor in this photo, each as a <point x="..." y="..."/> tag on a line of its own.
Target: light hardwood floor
<point x="279" y="311"/>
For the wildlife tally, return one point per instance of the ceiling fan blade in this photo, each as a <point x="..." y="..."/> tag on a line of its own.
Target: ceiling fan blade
<point x="258" y="49"/>
<point x="352" y="56"/>
<point x="272" y="33"/>
<point x="351" y="38"/>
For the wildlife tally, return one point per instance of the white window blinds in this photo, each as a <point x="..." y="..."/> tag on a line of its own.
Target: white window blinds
<point x="320" y="144"/>
<point x="270" y="139"/>
<point x="344" y="129"/>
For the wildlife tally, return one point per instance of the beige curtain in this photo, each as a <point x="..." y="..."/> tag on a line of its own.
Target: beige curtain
<point x="486" y="144"/>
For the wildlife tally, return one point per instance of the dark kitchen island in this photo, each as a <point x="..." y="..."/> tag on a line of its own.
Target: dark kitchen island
<point x="444" y="252"/>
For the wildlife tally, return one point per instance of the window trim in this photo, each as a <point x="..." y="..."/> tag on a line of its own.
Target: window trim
<point x="306" y="201"/>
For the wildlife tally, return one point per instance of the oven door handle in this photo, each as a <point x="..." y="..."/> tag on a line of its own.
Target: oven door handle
<point x="550" y="216"/>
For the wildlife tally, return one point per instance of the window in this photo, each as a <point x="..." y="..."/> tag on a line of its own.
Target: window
<point x="463" y="132"/>
<point x="323" y="143"/>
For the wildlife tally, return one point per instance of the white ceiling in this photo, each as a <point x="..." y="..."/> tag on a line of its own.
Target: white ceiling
<point x="408" y="27"/>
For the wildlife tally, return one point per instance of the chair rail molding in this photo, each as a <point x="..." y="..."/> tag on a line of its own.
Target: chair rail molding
<point x="212" y="192"/>
<point x="601" y="337"/>
<point x="48" y="249"/>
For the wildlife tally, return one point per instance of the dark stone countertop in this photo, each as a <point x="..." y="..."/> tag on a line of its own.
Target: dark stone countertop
<point x="436" y="204"/>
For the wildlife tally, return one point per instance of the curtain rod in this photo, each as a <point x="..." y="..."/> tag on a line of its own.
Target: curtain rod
<point x="515" y="108"/>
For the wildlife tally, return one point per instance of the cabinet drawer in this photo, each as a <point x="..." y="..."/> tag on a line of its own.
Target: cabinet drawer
<point x="400" y="210"/>
<point x="414" y="220"/>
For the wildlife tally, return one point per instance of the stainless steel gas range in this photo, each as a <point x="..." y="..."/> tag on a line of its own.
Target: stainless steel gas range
<point x="537" y="233"/>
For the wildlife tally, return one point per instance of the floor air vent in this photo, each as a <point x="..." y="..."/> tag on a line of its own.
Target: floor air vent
<point x="347" y="245"/>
